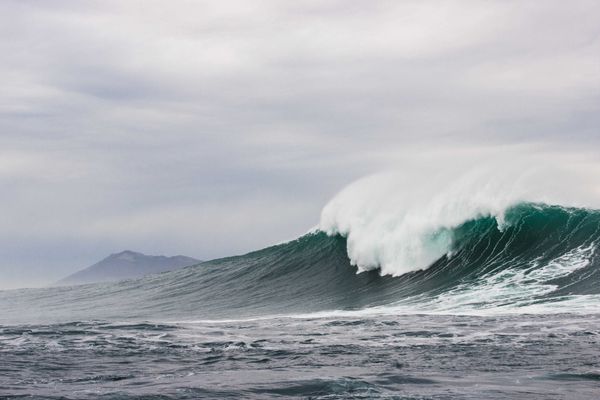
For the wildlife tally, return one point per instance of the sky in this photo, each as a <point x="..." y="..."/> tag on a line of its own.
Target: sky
<point x="212" y="128"/>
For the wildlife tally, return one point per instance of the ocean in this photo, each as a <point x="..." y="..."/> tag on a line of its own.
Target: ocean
<point x="507" y="309"/>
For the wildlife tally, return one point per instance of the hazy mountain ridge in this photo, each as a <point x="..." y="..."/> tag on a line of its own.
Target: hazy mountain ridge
<point x="127" y="265"/>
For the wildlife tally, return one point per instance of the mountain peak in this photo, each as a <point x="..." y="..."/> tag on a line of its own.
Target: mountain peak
<point x="127" y="264"/>
<point x="127" y="255"/>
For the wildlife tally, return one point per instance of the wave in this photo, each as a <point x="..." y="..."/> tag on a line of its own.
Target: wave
<point x="540" y="257"/>
<point x="545" y="259"/>
<point x="398" y="222"/>
<point x="470" y="246"/>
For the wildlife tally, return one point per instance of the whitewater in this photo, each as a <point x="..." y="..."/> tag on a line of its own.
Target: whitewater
<point x="433" y="283"/>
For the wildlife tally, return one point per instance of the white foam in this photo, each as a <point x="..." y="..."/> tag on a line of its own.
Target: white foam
<point x="510" y="289"/>
<point x="401" y="221"/>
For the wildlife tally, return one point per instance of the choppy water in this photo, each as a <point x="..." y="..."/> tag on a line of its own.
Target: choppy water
<point x="396" y="357"/>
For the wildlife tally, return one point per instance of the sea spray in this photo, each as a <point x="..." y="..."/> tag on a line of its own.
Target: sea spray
<point x="402" y="221"/>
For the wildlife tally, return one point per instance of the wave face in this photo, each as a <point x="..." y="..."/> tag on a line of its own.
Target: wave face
<point x="539" y="259"/>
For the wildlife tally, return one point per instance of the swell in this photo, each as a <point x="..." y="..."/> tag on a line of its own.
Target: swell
<point x="538" y="256"/>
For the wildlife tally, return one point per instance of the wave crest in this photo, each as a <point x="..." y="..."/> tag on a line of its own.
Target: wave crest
<point x="399" y="222"/>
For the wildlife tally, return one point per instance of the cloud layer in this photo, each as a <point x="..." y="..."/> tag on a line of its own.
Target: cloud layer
<point x="213" y="128"/>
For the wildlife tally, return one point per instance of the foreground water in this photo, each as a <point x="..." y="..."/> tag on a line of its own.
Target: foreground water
<point x="508" y="309"/>
<point x="379" y="356"/>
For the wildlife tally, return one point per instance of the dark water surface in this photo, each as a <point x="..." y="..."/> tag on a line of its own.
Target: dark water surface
<point x="396" y="357"/>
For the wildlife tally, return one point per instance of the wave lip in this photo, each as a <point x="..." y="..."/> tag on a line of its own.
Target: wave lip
<point x="398" y="223"/>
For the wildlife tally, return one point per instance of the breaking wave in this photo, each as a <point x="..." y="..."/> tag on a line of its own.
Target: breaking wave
<point x="482" y="243"/>
<point x="399" y="223"/>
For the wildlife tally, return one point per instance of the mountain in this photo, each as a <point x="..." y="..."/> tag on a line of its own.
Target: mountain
<point x="126" y="265"/>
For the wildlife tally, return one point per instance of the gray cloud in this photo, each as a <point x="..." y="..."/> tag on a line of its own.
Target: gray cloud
<point x="213" y="128"/>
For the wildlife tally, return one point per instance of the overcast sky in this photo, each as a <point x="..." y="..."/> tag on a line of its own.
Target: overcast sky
<point x="215" y="128"/>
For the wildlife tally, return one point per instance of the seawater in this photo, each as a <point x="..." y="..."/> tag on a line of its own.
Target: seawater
<point x="380" y="356"/>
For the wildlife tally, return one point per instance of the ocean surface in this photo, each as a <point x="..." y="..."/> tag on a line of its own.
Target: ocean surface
<point x="503" y="308"/>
